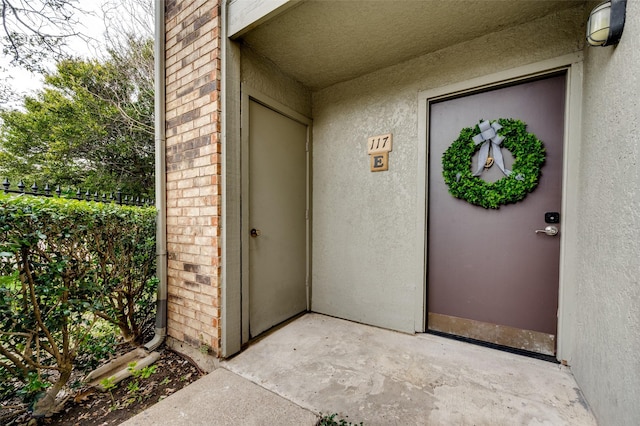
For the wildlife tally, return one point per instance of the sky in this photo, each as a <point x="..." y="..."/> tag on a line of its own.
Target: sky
<point x="93" y="26"/>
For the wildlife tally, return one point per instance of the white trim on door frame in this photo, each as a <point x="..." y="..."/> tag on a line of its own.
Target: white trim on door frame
<point x="572" y="63"/>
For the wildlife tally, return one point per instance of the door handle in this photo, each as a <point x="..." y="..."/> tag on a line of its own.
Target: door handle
<point x="255" y="232"/>
<point x="549" y="230"/>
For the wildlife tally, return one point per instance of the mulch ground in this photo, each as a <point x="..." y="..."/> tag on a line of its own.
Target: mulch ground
<point x="89" y="407"/>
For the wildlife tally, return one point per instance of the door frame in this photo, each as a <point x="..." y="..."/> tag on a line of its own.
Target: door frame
<point x="567" y="285"/>
<point x="249" y="94"/>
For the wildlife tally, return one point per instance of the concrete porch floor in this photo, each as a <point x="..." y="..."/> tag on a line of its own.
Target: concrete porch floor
<point x="319" y="364"/>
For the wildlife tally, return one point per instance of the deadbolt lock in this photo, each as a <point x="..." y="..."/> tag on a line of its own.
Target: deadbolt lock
<point x="255" y="232"/>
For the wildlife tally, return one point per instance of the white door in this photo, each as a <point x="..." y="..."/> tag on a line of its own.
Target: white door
<point x="276" y="223"/>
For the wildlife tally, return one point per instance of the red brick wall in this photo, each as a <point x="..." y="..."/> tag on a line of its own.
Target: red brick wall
<point x="193" y="171"/>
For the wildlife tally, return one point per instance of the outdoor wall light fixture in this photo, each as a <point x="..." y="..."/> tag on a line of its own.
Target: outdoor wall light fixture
<point x="606" y="22"/>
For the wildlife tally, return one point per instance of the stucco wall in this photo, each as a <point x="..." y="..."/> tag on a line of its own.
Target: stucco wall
<point x="264" y="77"/>
<point x="606" y="361"/>
<point x="364" y="223"/>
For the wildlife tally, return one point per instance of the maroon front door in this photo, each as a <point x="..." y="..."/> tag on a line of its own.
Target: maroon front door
<point x="491" y="277"/>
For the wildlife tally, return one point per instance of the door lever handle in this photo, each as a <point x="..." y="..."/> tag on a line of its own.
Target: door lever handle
<point x="255" y="232"/>
<point x="549" y="230"/>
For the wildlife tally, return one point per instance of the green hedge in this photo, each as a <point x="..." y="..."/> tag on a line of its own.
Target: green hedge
<point x="65" y="264"/>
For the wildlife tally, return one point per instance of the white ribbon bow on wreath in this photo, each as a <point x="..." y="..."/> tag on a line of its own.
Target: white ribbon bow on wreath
<point x="489" y="137"/>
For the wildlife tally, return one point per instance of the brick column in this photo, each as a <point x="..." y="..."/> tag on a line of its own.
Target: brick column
<point x="193" y="171"/>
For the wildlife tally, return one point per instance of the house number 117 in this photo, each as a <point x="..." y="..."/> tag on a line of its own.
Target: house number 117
<point x="380" y="143"/>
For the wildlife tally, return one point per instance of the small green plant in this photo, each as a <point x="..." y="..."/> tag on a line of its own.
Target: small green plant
<point x="204" y="347"/>
<point x="134" y="387"/>
<point x="33" y="387"/>
<point x="134" y="392"/>
<point x="143" y="373"/>
<point x="109" y="384"/>
<point x="330" y="420"/>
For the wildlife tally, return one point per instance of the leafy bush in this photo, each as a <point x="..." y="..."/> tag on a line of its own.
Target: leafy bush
<point x="63" y="265"/>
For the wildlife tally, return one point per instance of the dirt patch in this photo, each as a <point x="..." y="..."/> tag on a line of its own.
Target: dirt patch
<point x="89" y="407"/>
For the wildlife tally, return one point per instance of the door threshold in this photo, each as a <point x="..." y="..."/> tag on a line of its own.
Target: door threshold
<point x="271" y="330"/>
<point x="522" y="352"/>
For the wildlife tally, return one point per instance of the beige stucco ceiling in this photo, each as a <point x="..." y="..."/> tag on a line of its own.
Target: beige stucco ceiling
<point x="320" y="43"/>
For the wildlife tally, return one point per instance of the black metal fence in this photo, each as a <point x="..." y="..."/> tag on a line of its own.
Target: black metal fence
<point x="114" y="197"/>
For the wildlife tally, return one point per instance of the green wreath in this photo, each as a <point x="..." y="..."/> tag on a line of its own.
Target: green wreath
<point x="526" y="148"/>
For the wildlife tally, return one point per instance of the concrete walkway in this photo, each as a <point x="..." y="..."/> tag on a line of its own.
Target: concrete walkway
<point x="318" y="364"/>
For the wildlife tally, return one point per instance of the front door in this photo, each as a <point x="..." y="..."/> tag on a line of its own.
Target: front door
<point x="491" y="277"/>
<point x="276" y="224"/>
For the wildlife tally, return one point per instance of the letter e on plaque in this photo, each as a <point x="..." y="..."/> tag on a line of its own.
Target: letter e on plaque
<point x="379" y="161"/>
